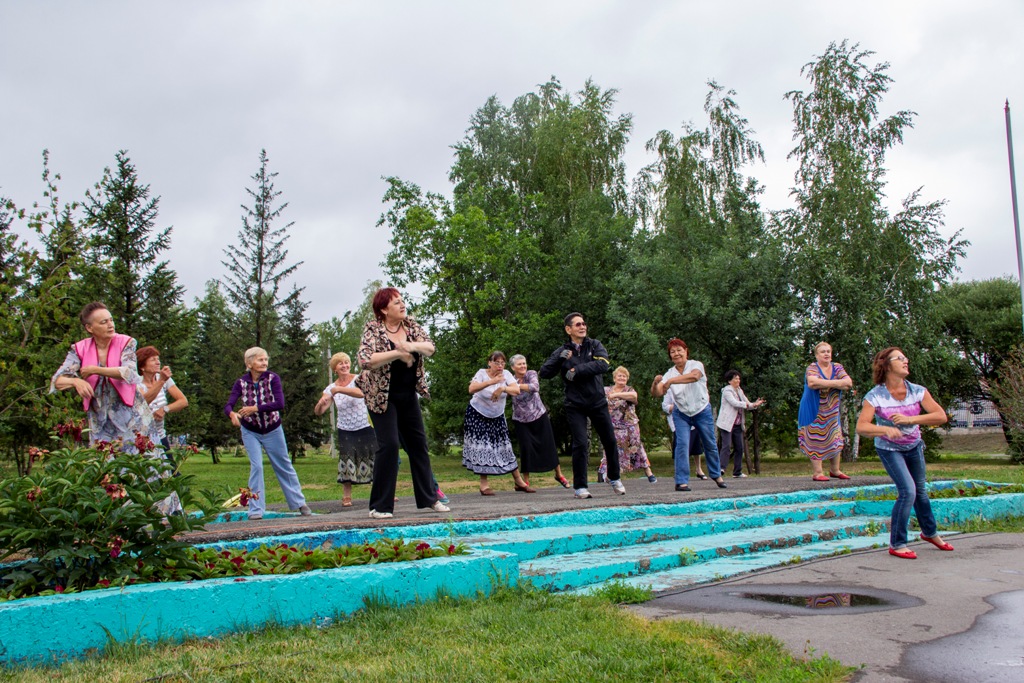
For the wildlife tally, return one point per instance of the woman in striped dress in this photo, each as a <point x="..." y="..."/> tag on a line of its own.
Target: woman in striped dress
<point x="819" y="434"/>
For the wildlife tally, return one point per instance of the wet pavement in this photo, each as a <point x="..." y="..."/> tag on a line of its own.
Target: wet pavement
<point x="951" y="616"/>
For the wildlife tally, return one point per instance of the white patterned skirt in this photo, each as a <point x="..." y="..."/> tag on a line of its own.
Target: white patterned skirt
<point x="486" y="448"/>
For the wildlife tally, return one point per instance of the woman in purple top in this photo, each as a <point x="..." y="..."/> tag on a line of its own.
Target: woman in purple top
<point x="537" y="449"/>
<point x="899" y="408"/>
<point x="259" y="418"/>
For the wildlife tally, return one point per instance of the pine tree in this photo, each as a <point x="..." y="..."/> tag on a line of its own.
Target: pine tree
<point x="257" y="264"/>
<point x="140" y="290"/>
<point x="297" y="362"/>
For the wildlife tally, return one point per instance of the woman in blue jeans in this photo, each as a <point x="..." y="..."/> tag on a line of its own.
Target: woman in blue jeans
<point x="259" y="419"/>
<point x="899" y="408"/>
<point x="687" y="384"/>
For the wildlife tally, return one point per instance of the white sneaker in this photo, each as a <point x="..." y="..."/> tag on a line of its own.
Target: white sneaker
<point x="741" y="475"/>
<point x="618" y="487"/>
<point x="380" y="515"/>
<point x="583" y="493"/>
<point x="438" y="506"/>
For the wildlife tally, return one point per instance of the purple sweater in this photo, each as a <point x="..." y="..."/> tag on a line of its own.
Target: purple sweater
<point x="266" y="394"/>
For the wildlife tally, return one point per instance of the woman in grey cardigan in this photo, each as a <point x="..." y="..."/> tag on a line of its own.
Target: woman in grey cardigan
<point x="730" y="421"/>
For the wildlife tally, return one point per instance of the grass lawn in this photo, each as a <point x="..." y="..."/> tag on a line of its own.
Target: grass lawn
<point x="516" y="635"/>
<point x="964" y="457"/>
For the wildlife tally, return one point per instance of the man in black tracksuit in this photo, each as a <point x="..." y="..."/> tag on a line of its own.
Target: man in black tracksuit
<point x="581" y="362"/>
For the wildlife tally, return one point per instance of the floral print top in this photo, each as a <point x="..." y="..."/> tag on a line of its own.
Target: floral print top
<point x="527" y="406"/>
<point x="623" y="412"/>
<point x="376" y="382"/>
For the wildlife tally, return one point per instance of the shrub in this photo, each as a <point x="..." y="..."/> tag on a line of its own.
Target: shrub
<point x="83" y="516"/>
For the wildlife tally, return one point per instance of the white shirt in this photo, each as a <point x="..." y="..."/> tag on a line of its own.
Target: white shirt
<point x="689" y="399"/>
<point x="481" y="400"/>
<point x="352" y="415"/>
<point x="160" y="402"/>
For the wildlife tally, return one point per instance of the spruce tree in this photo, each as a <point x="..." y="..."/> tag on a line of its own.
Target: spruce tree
<point x="297" y="362"/>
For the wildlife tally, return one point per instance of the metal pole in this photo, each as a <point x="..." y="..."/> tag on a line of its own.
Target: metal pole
<point x="1016" y="218"/>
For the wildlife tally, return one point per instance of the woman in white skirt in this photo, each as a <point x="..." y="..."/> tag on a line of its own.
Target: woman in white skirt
<point x="486" y="449"/>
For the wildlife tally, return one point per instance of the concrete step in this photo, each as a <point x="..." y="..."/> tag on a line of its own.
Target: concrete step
<point x="533" y="543"/>
<point x="567" y="572"/>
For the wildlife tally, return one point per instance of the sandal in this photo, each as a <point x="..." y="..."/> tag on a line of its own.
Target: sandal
<point x="904" y="553"/>
<point x="525" y="489"/>
<point x="682" y="487"/>
<point x="487" y="491"/>
<point x="819" y="477"/>
<point x="563" y="481"/>
<point x="346" y="502"/>
<point x="838" y="475"/>
<point x="934" y="542"/>
<point x="701" y="476"/>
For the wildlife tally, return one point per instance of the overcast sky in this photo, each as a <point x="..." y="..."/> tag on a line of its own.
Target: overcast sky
<point x="343" y="93"/>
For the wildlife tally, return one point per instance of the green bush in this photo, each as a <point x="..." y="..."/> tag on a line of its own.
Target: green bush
<point x="85" y="516"/>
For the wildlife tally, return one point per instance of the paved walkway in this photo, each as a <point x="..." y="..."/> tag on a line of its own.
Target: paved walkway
<point x="470" y="506"/>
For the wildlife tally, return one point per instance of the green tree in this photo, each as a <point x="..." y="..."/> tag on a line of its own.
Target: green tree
<point x="866" y="279"/>
<point x="258" y="264"/>
<point x="214" y="363"/>
<point x="536" y="227"/>
<point x="706" y="268"/>
<point x="982" y="319"/>
<point x="297" y="363"/>
<point x="38" y="316"/>
<point x="128" y="274"/>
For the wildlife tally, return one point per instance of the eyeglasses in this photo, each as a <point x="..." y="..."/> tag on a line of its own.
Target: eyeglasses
<point x="579" y="323"/>
<point x="498" y="361"/>
<point x="899" y="358"/>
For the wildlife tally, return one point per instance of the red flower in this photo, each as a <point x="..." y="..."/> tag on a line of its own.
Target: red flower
<point x="104" y="582"/>
<point x="192" y="448"/>
<point x="238" y="562"/>
<point x="247" y="495"/>
<point x="115" y="546"/>
<point x="308" y="553"/>
<point x="423" y="546"/>
<point x="58" y="588"/>
<point x="451" y="550"/>
<point x="103" y="447"/>
<point x="143" y="443"/>
<point x="33" y="493"/>
<point x="115" y="491"/>
<point x="370" y="550"/>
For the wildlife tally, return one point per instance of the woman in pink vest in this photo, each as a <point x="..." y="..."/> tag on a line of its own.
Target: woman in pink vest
<point x="102" y="369"/>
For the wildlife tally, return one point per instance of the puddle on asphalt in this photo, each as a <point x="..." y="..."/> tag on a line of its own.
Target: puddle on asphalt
<point x="819" y="601"/>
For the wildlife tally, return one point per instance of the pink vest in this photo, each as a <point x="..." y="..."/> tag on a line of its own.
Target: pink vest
<point x="86" y="350"/>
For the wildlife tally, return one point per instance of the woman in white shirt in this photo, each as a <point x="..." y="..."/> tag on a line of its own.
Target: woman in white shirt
<point x="357" y="443"/>
<point x="688" y="384"/>
<point x="486" y="448"/>
<point x="157" y="386"/>
<point x="731" y="418"/>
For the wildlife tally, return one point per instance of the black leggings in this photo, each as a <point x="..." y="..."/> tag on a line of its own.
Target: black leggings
<point x="401" y="423"/>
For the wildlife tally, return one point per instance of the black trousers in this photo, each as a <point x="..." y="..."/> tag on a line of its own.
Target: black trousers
<point x="401" y="423"/>
<point x="602" y="422"/>
<point x="732" y="441"/>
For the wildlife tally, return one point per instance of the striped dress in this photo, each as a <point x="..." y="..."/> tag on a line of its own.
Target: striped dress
<point x="822" y="439"/>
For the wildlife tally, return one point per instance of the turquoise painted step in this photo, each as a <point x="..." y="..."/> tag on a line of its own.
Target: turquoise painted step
<point x="565" y="572"/>
<point x="735" y="565"/>
<point x="534" y="543"/>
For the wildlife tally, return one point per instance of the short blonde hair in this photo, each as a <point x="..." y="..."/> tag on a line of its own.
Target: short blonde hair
<point x="253" y="352"/>
<point x="819" y="345"/>
<point x="337" y="358"/>
<point x="619" y="369"/>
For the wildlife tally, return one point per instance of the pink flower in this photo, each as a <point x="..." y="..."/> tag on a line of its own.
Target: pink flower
<point x="143" y="443"/>
<point x="115" y="491"/>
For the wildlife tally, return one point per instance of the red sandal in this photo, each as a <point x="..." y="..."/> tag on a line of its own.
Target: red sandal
<point x="819" y="477"/>
<point x="838" y="475"/>
<point x="940" y="546"/>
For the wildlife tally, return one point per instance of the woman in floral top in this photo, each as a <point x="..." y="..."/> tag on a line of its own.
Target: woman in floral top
<point x="391" y="355"/>
<point x="537" y="449"/>
<point x="622" y="407"/>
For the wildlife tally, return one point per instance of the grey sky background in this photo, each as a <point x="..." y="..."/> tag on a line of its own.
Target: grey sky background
<point x="343" y="93"/>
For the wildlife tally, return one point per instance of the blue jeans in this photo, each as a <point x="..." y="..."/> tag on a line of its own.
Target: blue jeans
<point x="277" y="450"/>
<point x="704" y="422"/>
<point x="907" y="471"/>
